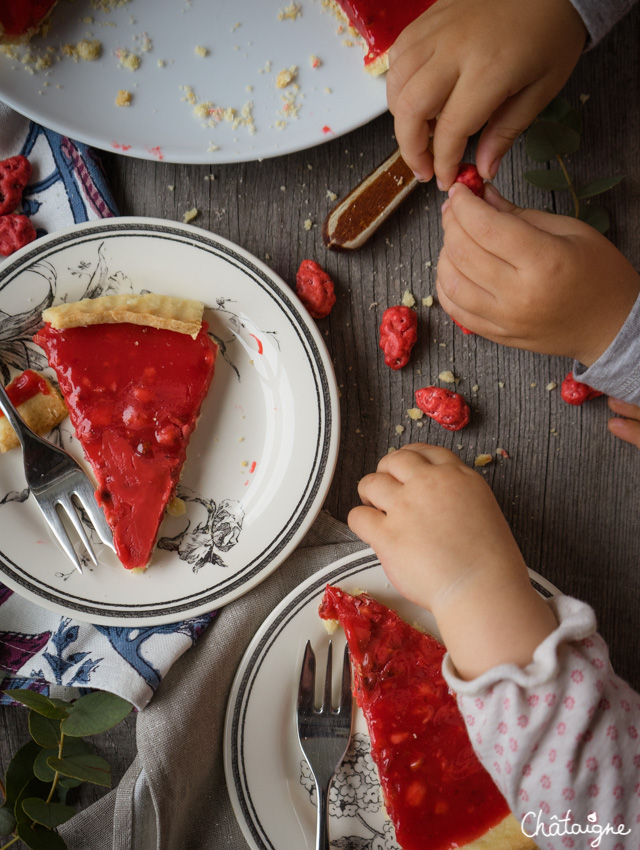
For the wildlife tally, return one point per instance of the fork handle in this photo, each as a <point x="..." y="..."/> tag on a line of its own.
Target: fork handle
<point x="322" y="824"/>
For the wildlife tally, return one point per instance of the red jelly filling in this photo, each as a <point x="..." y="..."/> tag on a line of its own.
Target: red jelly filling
<point x="380" y="22"/>
<point x="436" y="792"/>
<point x="18" y="17"/>
<point x="26" y="386"/>
<point x="134" y="394"/>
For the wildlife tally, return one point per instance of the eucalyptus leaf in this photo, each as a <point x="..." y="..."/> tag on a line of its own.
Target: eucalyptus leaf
<point x="553" y="179"/>
<point x="37" y="702"/>
<point x="39" y="838"/>
<point x="595" y="216"/>
<point x="70" y="747"/>
<point x="33" y="788"/>
<point x="88" y="767"/>
<point x="7" y="820"/>
<point x="560" y="111"/>
<point x="47" y="814"/>
<point x="546" y="140"/>
<point x="94" y="713"/>
<point x="19" y="772"/>
<point x="45" y="731"/>
<point x="597" y="187"/>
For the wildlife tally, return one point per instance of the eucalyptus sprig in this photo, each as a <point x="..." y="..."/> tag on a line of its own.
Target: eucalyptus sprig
<point x="553" y="136"/>
<point x="55" y="760"/>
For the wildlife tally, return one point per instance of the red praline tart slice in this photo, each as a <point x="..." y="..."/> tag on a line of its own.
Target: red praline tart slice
<point x="435" y="790"/>
<point x="21" y="19"/>
<point x="134" y="371"/>
<point x="379" y="22"/>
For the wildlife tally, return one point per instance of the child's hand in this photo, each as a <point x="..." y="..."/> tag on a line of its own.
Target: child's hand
<point x="469" y="62"/>
<point x="533" y="280"/>
<point x="626" y="424"/>
<point x="444" y="543"/>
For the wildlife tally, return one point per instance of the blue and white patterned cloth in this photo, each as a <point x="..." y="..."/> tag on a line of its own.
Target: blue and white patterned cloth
<point x="39" y="649"/>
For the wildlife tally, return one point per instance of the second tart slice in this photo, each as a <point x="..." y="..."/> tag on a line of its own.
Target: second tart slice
<point x="134" y="371"/>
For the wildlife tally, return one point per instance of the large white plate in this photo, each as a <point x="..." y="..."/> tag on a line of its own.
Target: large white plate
<point x="260" y="461"/>
<point x="247" y="47"/>
<point x="267" y="776"/>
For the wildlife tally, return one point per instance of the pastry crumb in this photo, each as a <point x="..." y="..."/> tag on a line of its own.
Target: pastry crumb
<point x="286" y="77"/>
<point x="308" y="224"/>
<point x="189" y="215"/>
<point x="314" y="61"/>
<point x="290" y="12"/>
<point x="428" y="301"/>
<point x="407" y="299"/>
<point x="124" y="98"/>
<point x="201" y="51"/>
<point x="448" y="377"/>
<point x="483" y="460"/>
<point x="551" y="386"/>
<point x="399" y="429"/>
<point x="176" y="507"/>
<point x="415" y="413"/>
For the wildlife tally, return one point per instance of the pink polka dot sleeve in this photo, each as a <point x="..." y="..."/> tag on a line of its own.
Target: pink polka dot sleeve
<point x="561" y="737"/>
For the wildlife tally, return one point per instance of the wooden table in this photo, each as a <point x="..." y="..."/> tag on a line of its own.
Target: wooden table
<point x="568" y="488"/>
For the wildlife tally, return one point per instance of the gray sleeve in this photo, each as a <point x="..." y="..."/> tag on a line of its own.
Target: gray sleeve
<point x="617" y="371"/>
<point x="599" y="16"/>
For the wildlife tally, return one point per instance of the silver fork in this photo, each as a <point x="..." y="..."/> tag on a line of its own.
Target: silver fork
<point x="55" y="478"/>
<point x="324" y="733"/>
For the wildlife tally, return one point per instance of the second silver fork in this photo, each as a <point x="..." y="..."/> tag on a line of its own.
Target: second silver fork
<point x="324" y="733"/>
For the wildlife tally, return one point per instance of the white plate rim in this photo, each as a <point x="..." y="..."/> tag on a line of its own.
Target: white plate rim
<point x="328" y="425"/>
<point x="346" y="568"/>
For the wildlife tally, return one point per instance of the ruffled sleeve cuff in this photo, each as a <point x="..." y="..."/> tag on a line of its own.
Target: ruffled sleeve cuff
<point x="599" y="16"/>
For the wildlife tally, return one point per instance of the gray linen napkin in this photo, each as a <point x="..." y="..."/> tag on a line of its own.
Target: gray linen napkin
<point x="174" y="795"/>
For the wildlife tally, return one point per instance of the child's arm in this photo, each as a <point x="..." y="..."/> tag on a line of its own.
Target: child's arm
<point x="553" y="725"/>
<point x="476" y="62"/>
<point x="444" y="543"/>
<point x="542" y="282"/>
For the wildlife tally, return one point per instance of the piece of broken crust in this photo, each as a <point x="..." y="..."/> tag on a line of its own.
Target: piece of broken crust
<point x="41" y="412"/>
<point x="157" y="311"/>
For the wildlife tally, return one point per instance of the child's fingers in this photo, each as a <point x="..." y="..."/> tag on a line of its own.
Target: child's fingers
<point x="506" y="235"/>
<point x="506" y="124"/>
<point x="365" y="522"/>
<point x="379" y="489"/>
<point x="472" y="260"/>
<point x="462" y="292"/>
<point x="465" y="111"/>
<point x="626" y="429"/>
<point x="624" y="408"/>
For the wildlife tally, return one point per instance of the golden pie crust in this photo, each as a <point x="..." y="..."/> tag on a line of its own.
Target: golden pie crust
<point x="506" y="835"/>
<point x="157" y="311"/>
<point x="41" y="413"/>
<point x="380" y="64"/>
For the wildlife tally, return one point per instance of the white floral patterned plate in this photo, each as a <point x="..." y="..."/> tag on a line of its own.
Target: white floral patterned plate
<point x="269" y="782"/>
<point x="260" y="461"/>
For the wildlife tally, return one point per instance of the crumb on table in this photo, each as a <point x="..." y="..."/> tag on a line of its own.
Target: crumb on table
<point x="123" y="98"/>
<point x="286" y="77"/>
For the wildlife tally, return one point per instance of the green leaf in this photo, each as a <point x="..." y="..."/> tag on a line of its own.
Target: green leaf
<point x="597" y="187"/>
<point x="94" y="713"/>
<point x="546" y="140"/>
<point x="47" y="814"/>
<point x="33" y="788"/>
<point x="45" y="731"/>
<point x="19" y="772"/>
<point x="70" y="747"/>
<point x="88" y="767"/>
<point x="553" y="180"/>
<point x="7" y="821"/>
<point x="37" y="702"/>
<point x="39" y="838"/>
<point x="595" y="216"/>
<point x="560" y="111"/>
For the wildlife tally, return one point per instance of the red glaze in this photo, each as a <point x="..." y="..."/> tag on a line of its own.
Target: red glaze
<point x="380" y="22"/>
<point x="134" y="394"/>
<point x="398" y="335"/>
<point x="575" y="392"/>
<point x="16" y="231"/>
<point x="462" y="327"/>
<point x="436" y="792"/>
<point x="449" y="409"/>
<point x="17" y="17"/>
<point x="26" y="386"/>
<point x="14" y="176"/>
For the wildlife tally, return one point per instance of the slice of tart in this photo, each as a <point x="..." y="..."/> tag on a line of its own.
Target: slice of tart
<point x="379" y="23"/>
<point x="21" y="19"/>
<point x="435" y="790"/>
<point x="38" y="403"/>
<point x="134" y="371"/>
